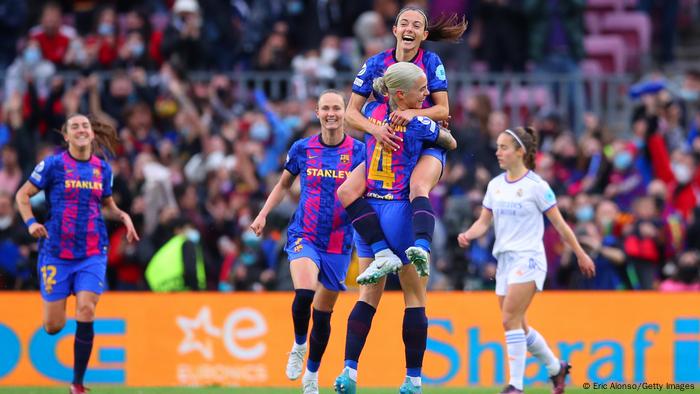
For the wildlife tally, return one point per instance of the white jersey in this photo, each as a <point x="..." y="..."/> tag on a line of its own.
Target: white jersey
<point x="517" y="209"/>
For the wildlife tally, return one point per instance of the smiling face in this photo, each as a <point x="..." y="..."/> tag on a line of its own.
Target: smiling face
<point x="508" y="153"/>
<point x="331" y="111"/>
<point x="78" y="132"/>
<point x="413" y="98"/>
<point x="410" y="30"/>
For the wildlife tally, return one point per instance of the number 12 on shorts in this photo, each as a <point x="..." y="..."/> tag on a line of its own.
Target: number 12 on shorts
<point x="384" y="173"/>
<point x="48" y="273"/>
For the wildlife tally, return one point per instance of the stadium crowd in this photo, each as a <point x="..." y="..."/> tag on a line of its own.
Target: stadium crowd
<point x="199" y="153"/>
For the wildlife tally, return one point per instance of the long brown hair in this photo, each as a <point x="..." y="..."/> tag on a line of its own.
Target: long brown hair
<point x="106" y="139"/>
<point x="528" y="136"/>
<point x="445" y="28"/>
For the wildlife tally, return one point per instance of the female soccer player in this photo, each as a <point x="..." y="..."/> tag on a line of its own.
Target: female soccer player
<point x="407" y="87"/>
<point x="515" y="201"/>
<point x="411" y="28"/>
<point x="73" y="243"/>
<point x="319" y="236"/>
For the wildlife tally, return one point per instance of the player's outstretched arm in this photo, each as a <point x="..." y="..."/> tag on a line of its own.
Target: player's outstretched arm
<point x="477" y="229"/>
<point x="111" y="211"/>
<point x="584" y="261"/>
<point x="36" y="229"/>
<point x="276" y="196"/>
<point x="446" y="140"/>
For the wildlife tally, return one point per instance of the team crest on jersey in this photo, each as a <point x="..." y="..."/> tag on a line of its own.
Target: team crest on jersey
<point x="519" y="192"/>
<point x="298" y="246"/>
<point x="96" y="172"/>
<point x="345" y="159"/>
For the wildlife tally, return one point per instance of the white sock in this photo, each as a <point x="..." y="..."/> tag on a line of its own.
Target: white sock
<point x="517" y="350"/>
<point x="298" y="346"/>
<point x="383" y="253"/>
<point x="308" y="375"/>
<point x="537" y="345"/>
<point x="415" y="380"/>
<point x="352" y="372"/>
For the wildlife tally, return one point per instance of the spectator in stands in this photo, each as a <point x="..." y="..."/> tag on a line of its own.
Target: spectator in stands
<point x="29" y="67"/>
<point x="183" y="44"/>
<point x="500" y="34"/>
<point x="669" y="17"/>
<point x="687" y="273"/>
<point x="52" y="35"/>
<point x="15" y="269"/>
<point x="179" y="264"/>
<point x="102" y="43"/>
<point x="10" y="171"/>
<point x="643" y="244"/>
<point x="13" y="15"/>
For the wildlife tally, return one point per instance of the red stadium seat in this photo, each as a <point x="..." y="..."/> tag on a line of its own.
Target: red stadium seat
<point x="635" y="29"/>
<point x="608" y="50"/>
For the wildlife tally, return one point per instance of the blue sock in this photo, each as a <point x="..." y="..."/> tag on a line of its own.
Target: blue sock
<point x="82" y="347"/>
<point x="320" y="332"/>
<point x="301" y="313"/>
<point x="366" y="222"/>
<point x="415" y="336"/>
<point x="423" y="222"/>
<point x="359" y="323"/>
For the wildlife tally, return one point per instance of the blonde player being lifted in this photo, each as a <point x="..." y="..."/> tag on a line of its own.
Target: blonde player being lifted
<point x="515" y="202"/>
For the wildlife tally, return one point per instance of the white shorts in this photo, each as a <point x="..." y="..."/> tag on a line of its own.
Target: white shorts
<point x="520" y="267"/>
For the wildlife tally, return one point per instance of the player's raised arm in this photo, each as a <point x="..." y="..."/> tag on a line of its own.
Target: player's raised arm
<point x="276" y="196"/>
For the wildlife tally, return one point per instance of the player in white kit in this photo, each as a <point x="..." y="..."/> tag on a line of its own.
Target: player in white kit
<point x="515" y="202"/>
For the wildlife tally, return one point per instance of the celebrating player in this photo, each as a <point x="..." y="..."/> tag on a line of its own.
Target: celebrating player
<point x="411" y="28"/>
<point x="388" y="175"/>
<point x="515" y="201"/>
<point x="319" y="236"/>
<point x="73" y="243"/>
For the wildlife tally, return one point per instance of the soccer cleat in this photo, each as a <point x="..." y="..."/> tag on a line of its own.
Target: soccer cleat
<point x="385" y="263"/>
<point x="344" y="384"/>
<point x="309" y="386"/>
<point x="78" y="389"/>
<point x="420" y="258"/>
<point x="295" y="362"/>
<point x="408" y="388"/>
<point x="559" y="380"/>
<point x="510" y="389"/>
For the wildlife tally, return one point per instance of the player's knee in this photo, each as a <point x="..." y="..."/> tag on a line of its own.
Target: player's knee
<point x="346" y="195"/>
<point x="54" y="327"/>
<point x="511" y="321"/>
<point x="419" y="189"/>
<point x="86" y="312"/>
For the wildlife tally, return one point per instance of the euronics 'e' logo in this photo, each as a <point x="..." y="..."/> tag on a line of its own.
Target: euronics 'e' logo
<point x="42" y="353"/>
<point x="686" y="350"/>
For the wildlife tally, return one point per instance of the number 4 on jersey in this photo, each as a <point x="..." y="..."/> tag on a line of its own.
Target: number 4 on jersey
<point x="384" y="173"/>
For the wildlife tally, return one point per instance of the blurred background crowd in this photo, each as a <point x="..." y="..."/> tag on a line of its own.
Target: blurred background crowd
<point x="208" y="95"/>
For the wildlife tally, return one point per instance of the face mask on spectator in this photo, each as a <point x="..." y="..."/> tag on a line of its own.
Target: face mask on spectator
<point x="622" y="160"/>
<point x="192" y="235"/>
<point x="681" y="172"/>
<point x="250" y="239"/>
<point x="105" y="29"/>
<point x="137" y="49"/>
<point x="585" y="213"/>
<point x="5" y="222"/>
<point x="328" y="55"/>
<point x="293" y="122"/>
<point x="689" y="95"/>
<point x="32" y="55"/>
<point x="260" y="131"/>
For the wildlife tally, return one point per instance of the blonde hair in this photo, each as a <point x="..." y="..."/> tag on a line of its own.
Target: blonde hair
<point x="398" y="76"/>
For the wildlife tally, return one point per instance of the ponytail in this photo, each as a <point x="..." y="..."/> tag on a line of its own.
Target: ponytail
<point x="446" y="28"/>
<point x="380" y="86"/>
<point x="527" y="140"/>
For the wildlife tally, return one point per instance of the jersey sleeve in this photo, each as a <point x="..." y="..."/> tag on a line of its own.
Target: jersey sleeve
<point x="425" y="129"/>
<point x="41" y="176"/>
<point x="362" y="84"/>
<point x="487" y="202"/>
<point x="359" y="154"/>
<point x="437" y="78"/>
<point x="293" y="163"/>
<point x="107" y="181"/>
<point x="544" y="196"/>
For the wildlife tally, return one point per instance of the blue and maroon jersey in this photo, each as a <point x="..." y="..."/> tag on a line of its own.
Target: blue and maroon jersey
<point x="74" y="191"/>
<point x="320" y="218"/>
<point x="375" y="66"/>
<point x="389" y="173"/>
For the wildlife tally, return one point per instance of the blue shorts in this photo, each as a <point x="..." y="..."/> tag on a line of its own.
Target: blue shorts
<point x="60" y="278"/>
<point x="332" y="267"/>
<point x="436" y="152"/>
<point x="396" y="220"/>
